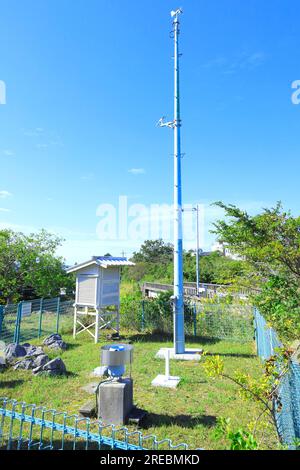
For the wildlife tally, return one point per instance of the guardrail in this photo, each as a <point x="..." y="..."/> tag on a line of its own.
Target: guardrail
<point x="190" y="289"/>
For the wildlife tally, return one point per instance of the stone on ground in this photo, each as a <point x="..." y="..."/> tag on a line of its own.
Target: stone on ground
<point x="54" y="367"/>
<point x="13" y="351"/>
<point x="55" y="341"/>
<point x="32" y="361"/>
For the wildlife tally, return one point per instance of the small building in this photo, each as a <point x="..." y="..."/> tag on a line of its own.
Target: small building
<point x="97" y="294"/>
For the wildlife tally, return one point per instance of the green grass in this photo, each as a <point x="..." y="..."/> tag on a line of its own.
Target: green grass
<point x="187" y="414"/>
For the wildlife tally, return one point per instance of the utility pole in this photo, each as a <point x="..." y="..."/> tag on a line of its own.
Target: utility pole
<point x="178" y="315"/>
<point x="197" y="252"/>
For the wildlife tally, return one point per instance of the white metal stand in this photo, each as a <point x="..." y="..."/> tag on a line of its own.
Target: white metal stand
<point x="166" y="380"/>
<point x="102" y="319"/>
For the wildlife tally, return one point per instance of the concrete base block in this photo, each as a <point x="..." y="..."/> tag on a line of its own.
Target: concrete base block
<point x="90" y="388"/>
<point x="188" y="355"/>
<point x="115" y="401"/>
<point x="88" y="410"/>
<point x="164" y="381"/>
<point x="100" y="371"/>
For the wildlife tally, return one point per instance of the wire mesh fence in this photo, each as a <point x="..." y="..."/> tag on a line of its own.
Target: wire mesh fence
<point x="29" y="427"/>
<point x="35" y="318"/>
<point x="288" y="418"/>
<point x="207" y="320"/>
<point x="8" y="316"/>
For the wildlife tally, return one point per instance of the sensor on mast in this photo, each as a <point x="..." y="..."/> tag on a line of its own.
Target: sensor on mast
<point x="176" y="12"/>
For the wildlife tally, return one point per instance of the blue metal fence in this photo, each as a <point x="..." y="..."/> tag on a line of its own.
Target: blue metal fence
<point x="29" y="427"/>
<point x="34" y="318"/>
<point x="288" y="419"/>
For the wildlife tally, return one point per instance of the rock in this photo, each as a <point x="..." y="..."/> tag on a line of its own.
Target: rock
<point x="36" y="352"/>
<point x="41" y="360"/>
<point x="54" y="367"/>
<point x="55" y="341"/>
<point x="30" y="349"/>
<point x="13" y="351"/>
<point x="31" y="362"/>
<point x="58" y="345"/>
<point x="25" y="364"/>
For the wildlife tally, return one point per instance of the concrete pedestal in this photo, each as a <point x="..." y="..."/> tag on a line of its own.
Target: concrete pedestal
<point x="188" y="355"/>
<point x="167" y="381"/>
<point x="115" y="401"/>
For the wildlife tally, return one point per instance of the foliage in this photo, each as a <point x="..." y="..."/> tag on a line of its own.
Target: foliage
<point x="263" y="390"/>
<point x="154" y="263"/>
<point x="279" y="303"/>
<point x="270" y="244"/>
<point x="239" y="439"/>
<point x="214" y="268"/>
<point x="29" y="266"/>
<point x="154" y="251"/>
<point x="130" y="308"/>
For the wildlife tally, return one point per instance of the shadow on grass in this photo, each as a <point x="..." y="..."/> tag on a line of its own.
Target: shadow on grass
<point x="244" y="356"/>
<point x="70" y="374"/>
<point x="157" y="337"/>
<point x="11" y="383"/>
<point x="71" y="346"/>
<point x="183" y="421"/>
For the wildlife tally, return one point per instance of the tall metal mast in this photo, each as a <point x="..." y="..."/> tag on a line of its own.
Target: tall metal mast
<point x="178" y="256"/>
<point x="179" y="345"/>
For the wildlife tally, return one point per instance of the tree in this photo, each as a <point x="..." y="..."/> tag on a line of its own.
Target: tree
<point x="214" y="268"/>
<point x="29" y="266"/>
<point x="270" y="244"/>
<point x="154" y="251"/>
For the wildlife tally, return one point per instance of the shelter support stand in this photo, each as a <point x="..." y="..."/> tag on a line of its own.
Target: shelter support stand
<point x="100" y="319"/>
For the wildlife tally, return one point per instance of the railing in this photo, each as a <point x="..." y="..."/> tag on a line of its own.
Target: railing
<point x="30" y="427"/>
<point x="190" y="289"/>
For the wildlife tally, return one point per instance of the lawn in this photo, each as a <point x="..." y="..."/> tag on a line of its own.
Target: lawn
<point x="187" y="414"/>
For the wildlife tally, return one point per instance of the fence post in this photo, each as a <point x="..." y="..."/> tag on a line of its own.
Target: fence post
<point x="40" y="318"/>
<point x="57" y="314"/>
<point x="18" y="323"/>
<point x="195" y="319"/>
<point x="143" y="314"/>
<point x="1" y="317"/>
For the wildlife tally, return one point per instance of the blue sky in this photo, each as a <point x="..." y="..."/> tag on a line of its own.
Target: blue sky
<point x="86" y="82"/>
